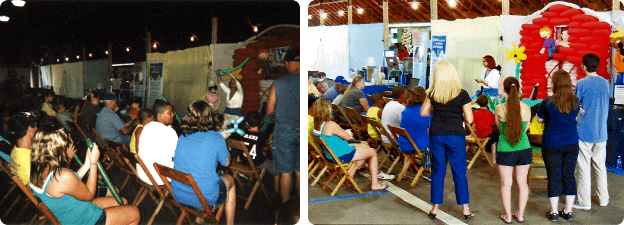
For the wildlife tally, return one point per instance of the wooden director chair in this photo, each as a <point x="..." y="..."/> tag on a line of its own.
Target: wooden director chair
<point x="213" y="215"/>
<point x="5" y="167"/>
<point x="479" y="143"/>
<point x="340" y="117"/>
<point x="360" y="126"/>
<point x="132" y="160"/>
<point x="340" y="169"/>
<point x="250" y="170"/>
<point x="411" y="158"/>
<point x="323" y="163"/>
<point x="116" y="149"/>
<point x="393" y="150"/>
<point x="108" y="153"/>
<point x="538" y="162"/>
<point x="46" y="214"/>
<point x="314" y="160"/>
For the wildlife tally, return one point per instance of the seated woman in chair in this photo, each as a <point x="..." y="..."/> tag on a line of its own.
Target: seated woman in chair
<point x="61" y="189"/>
<point x="416" y="126"/>
<point x="337" y="138"/>
<point x="200" y="148"/>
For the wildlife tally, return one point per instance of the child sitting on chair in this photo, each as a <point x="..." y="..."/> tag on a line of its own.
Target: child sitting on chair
<point x="375" y="112"/>
<point x="484" y="125"/>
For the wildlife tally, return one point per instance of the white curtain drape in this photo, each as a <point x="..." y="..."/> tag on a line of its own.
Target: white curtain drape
<point x="328" y="47"/>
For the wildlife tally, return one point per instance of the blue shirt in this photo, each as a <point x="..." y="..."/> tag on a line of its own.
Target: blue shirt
<point x="416" y="127"/>
<point x="108" y="124"/>
<point x="593" y="93"/>
<point x="331" y="93"/>
<point x="287" y="103"/>
<point x="559" y="128"/>
<point x="198" y="154"/>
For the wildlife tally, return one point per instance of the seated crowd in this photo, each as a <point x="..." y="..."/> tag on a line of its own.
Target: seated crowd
<point x="437" y="120"/>
<point x="39" y="147"/>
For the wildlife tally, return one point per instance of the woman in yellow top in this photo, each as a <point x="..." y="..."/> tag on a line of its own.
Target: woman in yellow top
<point x="22" y="128"/>
<point x="145" y="116"/>
<point x="46" y="106"/>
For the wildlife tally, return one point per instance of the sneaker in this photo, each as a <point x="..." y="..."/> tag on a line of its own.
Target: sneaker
<point x="552" y="216"/>
<point x="566" y="216"/>
<point x="578" y="206"/>
<point x="385" y="176"/>
<point x="605" y="204"/>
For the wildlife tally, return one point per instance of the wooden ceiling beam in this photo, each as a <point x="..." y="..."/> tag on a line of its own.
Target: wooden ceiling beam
<point x="416" y="12"/>
<point x="377" y="9"/>
<point x="471" y="9"/>
<point x="495" y="10"/>
<point x="446" y="10"/>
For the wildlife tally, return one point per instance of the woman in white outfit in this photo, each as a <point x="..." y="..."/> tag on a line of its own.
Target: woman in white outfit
<point x="492" y="79"/>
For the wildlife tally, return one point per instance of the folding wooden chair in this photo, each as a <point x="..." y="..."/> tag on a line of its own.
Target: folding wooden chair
<point x="5" y="167"/>
<point x="396" y="131"/>
<point x="187" y="179"/>
<point x="479" y="143"/>
<point x="359" y="125"/>
<point x="340" y="116"/>
<point x="131" y="160"/>
<point x="250" y="170"/>
<point x="108" y="153"/>
<point x="393" y="150"/>
<point x="339" y="168"/>
<point x="76" y="129"/>
<point x="538" y="161"/>
<point x="46" y="214"/>
<point x="326" y="166"/>
<point x="116" y="149"/>
<point x="314" y="161"/>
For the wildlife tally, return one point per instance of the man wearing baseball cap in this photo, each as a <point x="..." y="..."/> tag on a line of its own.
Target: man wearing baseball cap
<point x="333" y="92"/>
<point x="283" y="102"/>
<point x="110" y="126"/>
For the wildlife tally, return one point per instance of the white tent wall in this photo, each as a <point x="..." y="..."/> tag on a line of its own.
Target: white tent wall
<point x="365" y="45"/>
<point x="58" y="78"/>
<point x="328" y="47"/>
<point x="185" y="74"/>
<point x="221" y="59"/>
<point x="96" y="74"/>
<point x="511" y="26"/>
<point x="46" y="76"/>
<point x="467" y="41"/>
<point x="74" y="80"/>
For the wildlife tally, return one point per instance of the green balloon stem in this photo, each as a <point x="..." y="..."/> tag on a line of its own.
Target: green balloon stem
<point x="176" y="114"/>
<point x="107" y="180"/>
<point x="225" y="72"/>
<point x="80" y="164"/>
<point x="518" y="71"/>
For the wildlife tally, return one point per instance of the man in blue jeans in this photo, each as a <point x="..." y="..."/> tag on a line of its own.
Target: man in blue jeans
<point x="283" y="102"/>
<point x="593" y="93"/>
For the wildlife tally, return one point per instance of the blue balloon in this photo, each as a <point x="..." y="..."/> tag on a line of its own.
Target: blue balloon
<point x="235" y="128"/>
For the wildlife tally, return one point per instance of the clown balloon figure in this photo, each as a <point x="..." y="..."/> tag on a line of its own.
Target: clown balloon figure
<point x="549" y="43"/>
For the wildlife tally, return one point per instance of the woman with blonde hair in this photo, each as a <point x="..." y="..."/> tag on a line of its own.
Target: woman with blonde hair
<point x="450" y="105"/>
<point x="337" y="139"/>
<point x="514" y="150"/>
<point x="355" y="98"/>
<point x="560" y="145"/>
<point x="62" y="190"/>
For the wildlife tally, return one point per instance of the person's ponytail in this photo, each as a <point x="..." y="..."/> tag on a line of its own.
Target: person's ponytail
<point x="498" y="68"/>
<point x="513" y="129"/>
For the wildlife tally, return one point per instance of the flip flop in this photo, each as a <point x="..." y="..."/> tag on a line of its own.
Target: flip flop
<point x="502" y="217"/>
<point x="516" y="218"/>
<point x="468" y="217"/>
<point x="383" y="187"/>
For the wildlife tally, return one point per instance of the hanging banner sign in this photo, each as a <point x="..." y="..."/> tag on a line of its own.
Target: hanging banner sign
<point x="438" y="48"/>
<point x="421" y="45"/>
<point x="155" y="82"/>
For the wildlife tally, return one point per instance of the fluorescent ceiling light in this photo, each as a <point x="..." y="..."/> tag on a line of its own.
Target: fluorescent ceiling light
<point x="4" y="18"/>
<point x="18" y="3"/>
<point x="360" y="10"/>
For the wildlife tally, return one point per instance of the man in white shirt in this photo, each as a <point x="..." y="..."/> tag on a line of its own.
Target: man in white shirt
<point x="391" y="114"/>
<point x="234" y="99"/>
<point x="158" y="142"/>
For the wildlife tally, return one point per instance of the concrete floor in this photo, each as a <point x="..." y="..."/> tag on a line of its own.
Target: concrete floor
<point x="404" y="205"/>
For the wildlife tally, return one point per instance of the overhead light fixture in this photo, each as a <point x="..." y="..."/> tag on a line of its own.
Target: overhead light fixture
<point x="255" y="29"/>
<point x="360" y="10"/>
<point x="18" y="3"/>
<point x="77" y="57"/>
<point x="90" y="55"/>
<point x="309" y="17"/>
<point x="66" y="58"/>
<point x="106" y="52"/>
<point x="340" y="13"/>
<point x="192" y="38"/>
<point x="4" y="18"/>
<point x="452" y="3"/>
<point x="127" y="49"/>
<point x="414" y="5"/>
<point x="58" y="60"/>
<point x="324" y="15"/>
<point x="154" y="45"/>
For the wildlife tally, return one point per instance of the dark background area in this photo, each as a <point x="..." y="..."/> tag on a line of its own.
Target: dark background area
<point x="51" y="30"/>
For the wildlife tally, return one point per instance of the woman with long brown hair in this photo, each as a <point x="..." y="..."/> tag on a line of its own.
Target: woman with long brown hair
<point x="491" y="80"/>
<point x="560" y="146"/>
<point x="514" y="150"/>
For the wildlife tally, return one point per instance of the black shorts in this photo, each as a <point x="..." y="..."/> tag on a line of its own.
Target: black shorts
<point x="102" y="219"/>
<point x="517" y="158"/>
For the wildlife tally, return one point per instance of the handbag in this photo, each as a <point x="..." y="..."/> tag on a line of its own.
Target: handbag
<point x="426" y="160"/>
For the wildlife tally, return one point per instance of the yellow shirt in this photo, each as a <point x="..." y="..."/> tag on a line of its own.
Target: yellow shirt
<point x="133" y="139"/>
<point x="312" y="90"/>
<point x="372" y="113"/>
<point x="46" y="107"/>
<point x="20" y="163"/>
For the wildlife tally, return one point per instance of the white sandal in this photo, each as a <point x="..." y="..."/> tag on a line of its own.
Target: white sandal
<point x="385" y="176"/>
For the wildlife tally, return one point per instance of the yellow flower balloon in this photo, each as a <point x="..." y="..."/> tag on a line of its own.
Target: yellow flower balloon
<point x="236" y="74"/>
<point x="517" y="53"/>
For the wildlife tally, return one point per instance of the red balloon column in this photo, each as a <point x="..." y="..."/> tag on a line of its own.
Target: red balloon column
<point x="586" y="35"/>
